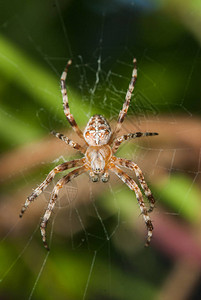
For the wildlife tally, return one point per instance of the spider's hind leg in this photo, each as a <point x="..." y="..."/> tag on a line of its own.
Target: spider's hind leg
<point x="123" y="111"/>
<point x="66" y="108"/>
<point x="68" y="141"/>
<point x="126" y="137"/>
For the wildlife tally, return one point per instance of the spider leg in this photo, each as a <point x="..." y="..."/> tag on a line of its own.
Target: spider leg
<point x="66" y="108"/>
<point x="49" y="178"/>
<point x="134" y="187"/>
<point x="126" y="137"/>
<point x="68" y="141"/>
<point x="126" y="104"/>
<point x="134" y="167"/>
<point x="53" y="198"/>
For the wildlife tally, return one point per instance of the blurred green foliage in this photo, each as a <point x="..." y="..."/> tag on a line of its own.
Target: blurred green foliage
<point x="182" y="196"/>
<point x="38" y="86"/>
<point x="168" y="62"/>
<point x="37" y="38"/>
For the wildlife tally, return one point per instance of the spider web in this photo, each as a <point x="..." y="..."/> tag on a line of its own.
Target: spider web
<point x="86" y="217"/>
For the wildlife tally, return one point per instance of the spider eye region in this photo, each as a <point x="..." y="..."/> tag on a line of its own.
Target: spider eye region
<point x="97" y="131"/>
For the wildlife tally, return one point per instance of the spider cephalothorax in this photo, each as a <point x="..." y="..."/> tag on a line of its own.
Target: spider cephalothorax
<point x="101" y="143"/>
<point x="97" y="160"/>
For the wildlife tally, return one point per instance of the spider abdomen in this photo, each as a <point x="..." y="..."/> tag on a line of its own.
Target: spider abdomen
<point x="97" y="131"/>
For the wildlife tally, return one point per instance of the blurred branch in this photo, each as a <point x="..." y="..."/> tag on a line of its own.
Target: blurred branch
<point x="173" y="237"/>
<point x="180" y="133"/>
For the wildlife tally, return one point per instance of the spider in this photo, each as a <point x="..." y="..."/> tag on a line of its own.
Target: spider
<point x="101" y="143"/>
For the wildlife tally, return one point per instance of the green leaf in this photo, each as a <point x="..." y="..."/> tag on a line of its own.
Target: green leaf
<point x="182" y="195"/>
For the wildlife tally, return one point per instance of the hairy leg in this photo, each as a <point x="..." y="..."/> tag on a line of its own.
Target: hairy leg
<point x="66" y="108"/>
<point x="68" y="141"/>
<point x="134" y="187"/>
<point x="49" y="178"/>
<point x="123" y="111"/>
<point x="53" y="198"/>
<point x="134" y="167"/>
<point x="126" y="137"/>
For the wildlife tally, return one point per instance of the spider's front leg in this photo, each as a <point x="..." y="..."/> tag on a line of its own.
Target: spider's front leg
<point x="134" y="167"/>
<point x="134" y="187"/>
<point x="53" y="198"/>
<point x="49" y="178"/>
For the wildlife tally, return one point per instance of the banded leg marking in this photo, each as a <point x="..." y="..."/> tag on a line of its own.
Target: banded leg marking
<point x="68" y="141"/>
<point x="134" y="167"/>
<point x="49" y="178"/>
<point x="53" y="198"/>
<point x="66" y="108"/>
<point x="126" y="104"/>
<point x="118" y="141"/>
<point x="134" y="187"/>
